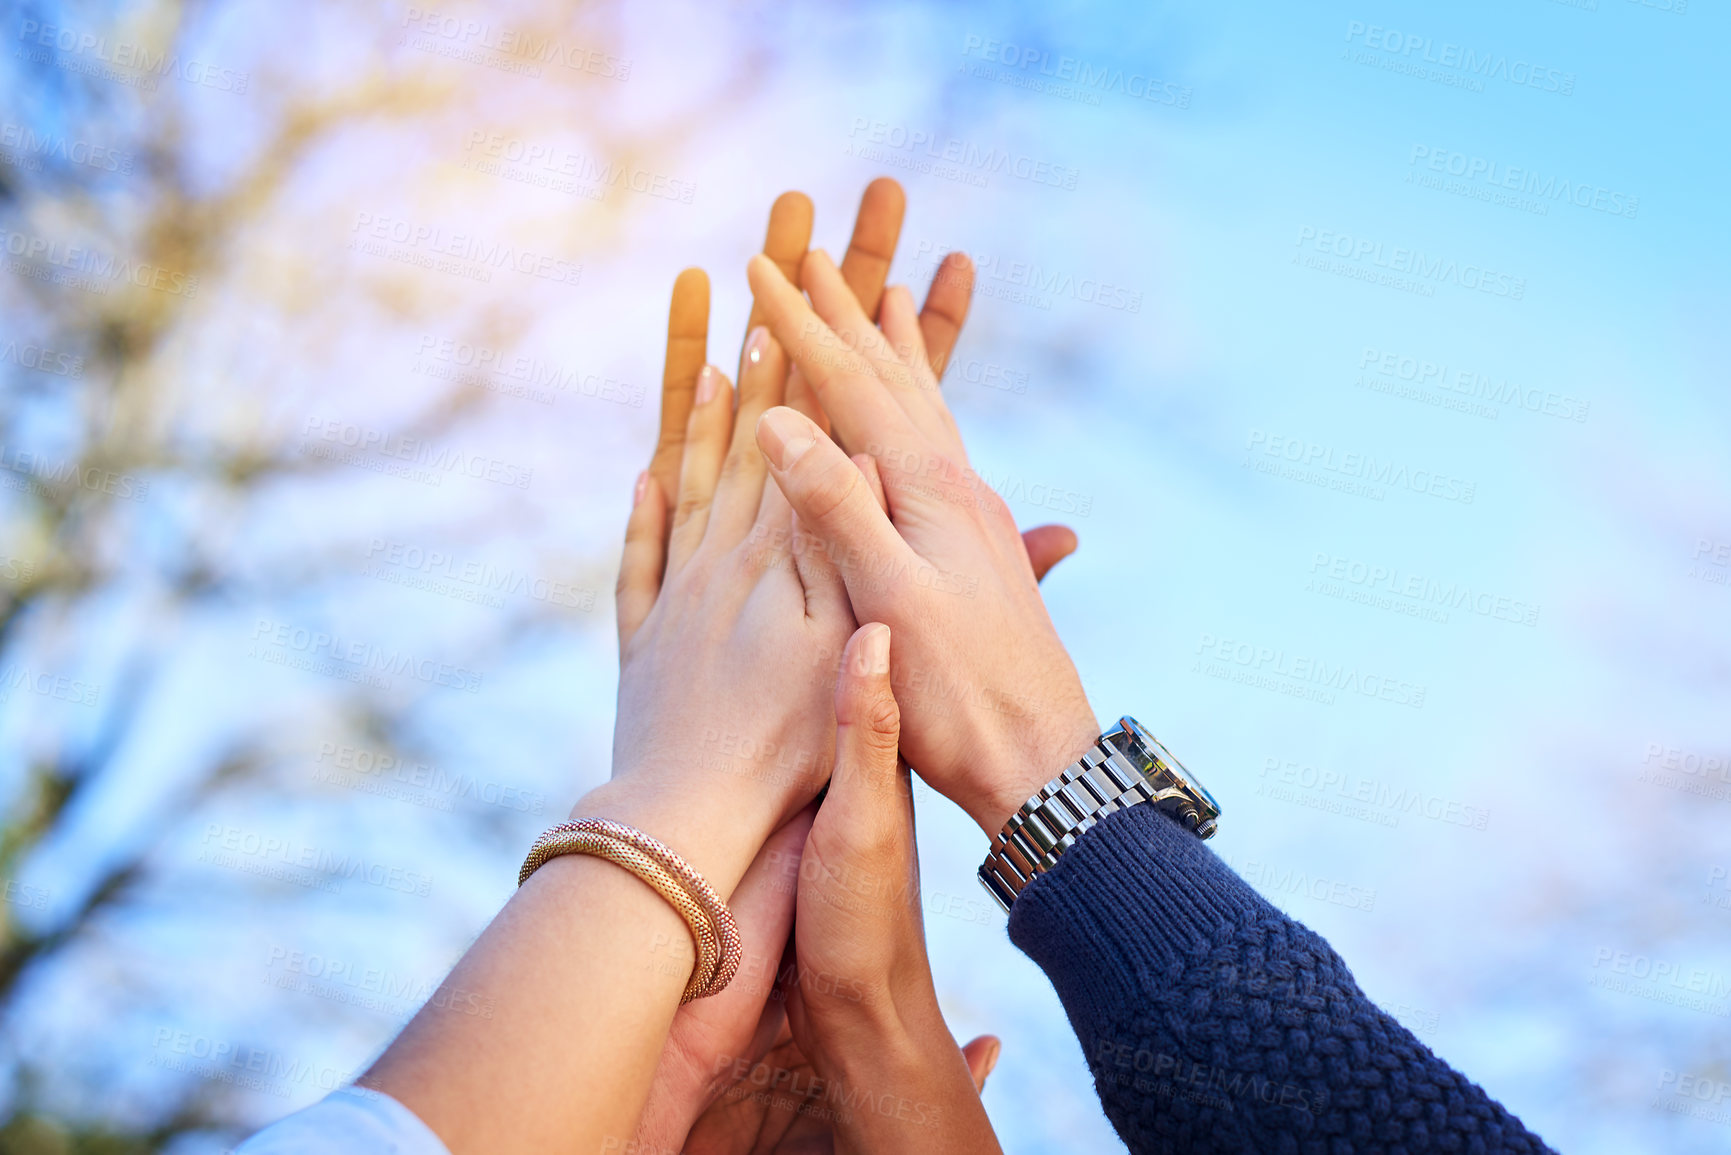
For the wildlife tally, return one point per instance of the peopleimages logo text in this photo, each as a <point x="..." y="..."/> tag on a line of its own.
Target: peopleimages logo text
<point x="1412" y="262"/>
<point x="1086" y="77"/>
<point x="1358" y="467"/>
<point x="975" y="159"/>
<point x="1480" y="65"/>
<point x="1524" y="180"/>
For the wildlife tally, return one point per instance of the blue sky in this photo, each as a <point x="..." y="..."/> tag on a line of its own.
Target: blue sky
<point x="1385" y="390"/>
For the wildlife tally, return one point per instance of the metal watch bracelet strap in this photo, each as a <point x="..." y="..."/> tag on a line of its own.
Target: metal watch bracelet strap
<point x="1125" y="767"/>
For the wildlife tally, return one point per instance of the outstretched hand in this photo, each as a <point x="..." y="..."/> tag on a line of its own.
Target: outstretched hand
<point x="865" y="268"/>
<point x="864" y="1061"/>
<point x="992" y="704"/>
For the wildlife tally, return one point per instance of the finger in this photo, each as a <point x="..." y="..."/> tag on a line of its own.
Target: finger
<point x="763" y="906"/>
<point x="801" y="396"/>
<point x="850" y="392"/>
<point x="785" y="243"/>
<point x="826" y="600"/>
<point x="866" y="264"/>
<point x="901" y="325"/>
<point x="907" y="380"/>
<point x="687" y="350"/>
<point x="833" y="499"/>
<point x="739" y="493"/>
<point x="1047" y="545"/>
<point x="864" y="794"/>
<point x="644" y="559"/>
<point x="982" y="1056"/>
<point x="901" y="328"/>
<point x="772" y="533"/>
<point x="946" y="309"/>
<point x="706" y="437"/>
<point x="868" y="465"/>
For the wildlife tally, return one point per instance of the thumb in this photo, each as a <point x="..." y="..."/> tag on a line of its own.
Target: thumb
<point x="1047" y="545"/>
<point x="832" y="497"/>
<point x="867" y="785"/>
<point x="982" y="1057"/>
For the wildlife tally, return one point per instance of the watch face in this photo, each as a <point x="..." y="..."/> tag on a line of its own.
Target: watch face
<point x="1154" y="746"/>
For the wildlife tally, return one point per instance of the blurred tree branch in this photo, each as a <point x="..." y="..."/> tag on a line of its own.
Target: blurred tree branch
<point x="70" y="545"/>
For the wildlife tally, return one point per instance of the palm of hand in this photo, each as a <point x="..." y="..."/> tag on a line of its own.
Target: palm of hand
<point x="774" y="1107"/>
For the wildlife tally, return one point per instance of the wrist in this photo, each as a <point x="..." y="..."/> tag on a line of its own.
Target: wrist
<point x="1020" y="772"/>
<point x="874" y="1051"/>
<point x="711" y="832"/>
<point x="909" y="1091"/>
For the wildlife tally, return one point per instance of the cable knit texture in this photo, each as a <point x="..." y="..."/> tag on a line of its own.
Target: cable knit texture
<point x="1213" y="1022"/>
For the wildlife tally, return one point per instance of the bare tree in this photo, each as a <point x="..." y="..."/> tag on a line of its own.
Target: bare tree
<point x="135" y="458"/>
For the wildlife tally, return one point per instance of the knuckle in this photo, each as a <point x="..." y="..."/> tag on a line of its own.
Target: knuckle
<point x="883" y="719"/>
<point x="876" y="719"/>
<point x="690" y="505"/>
<point x="831" y="492"/>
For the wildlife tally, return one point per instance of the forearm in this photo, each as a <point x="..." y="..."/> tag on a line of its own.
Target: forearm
<point x="1213" y="1022"/>
<point x="583" y="971"/>
<point x="909" y="1094"/>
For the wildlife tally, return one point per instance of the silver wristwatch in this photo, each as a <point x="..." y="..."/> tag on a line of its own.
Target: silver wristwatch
<point x="1127" y="766"/>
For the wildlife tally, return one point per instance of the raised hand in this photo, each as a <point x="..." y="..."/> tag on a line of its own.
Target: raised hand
<point x="991" y="704"/>
<point x="864" y="1007"/>
<point x="865" y="268"/>
<point x="866" y="1062"/>
<point x="722" y="708"/>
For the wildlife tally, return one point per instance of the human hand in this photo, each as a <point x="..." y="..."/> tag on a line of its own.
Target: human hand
<point x="864" y="1008"/>
<point x="992" y="706"/>
<point x="741" y="1020"/>
<point x="865" y="1062"/>
<point x="723" y="729"/>
<point x="865" y="267"/>
<point x="744" y="1023"/>
<point x="775" y="1104"/>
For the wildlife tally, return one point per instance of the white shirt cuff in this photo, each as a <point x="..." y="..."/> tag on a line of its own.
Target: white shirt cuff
<point x="349" y="1121"/>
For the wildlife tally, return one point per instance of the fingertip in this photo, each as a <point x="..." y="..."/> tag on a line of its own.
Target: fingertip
<point x="887" y="186"/>
<point x="761" y="269"/>
<point x="871" y="650"/>
<point x="793" y="205"/>
<point x="710" y="383"/>
<point x="898" y="312"/>
<point x="1047" y="545"/>
<point x="981" y="1055"/>
<point x="865" y="704"/>
<point x="783" y="434"/>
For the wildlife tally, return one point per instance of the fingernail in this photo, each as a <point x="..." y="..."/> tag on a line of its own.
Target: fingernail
<point x="991" y="1063"/>
<point x="706" y="382"/>
<point x="787" y="436"/>
<point x="756" y="344"/>
<point x="641" y="488"/>
<point x="874" y="650"/>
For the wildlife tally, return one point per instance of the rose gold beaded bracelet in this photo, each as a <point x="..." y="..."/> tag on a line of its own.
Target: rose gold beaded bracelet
<point x="713" y="930"/>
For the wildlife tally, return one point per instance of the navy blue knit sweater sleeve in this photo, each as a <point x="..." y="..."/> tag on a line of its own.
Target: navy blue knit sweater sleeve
<point x="1212" y="1022"/>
